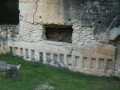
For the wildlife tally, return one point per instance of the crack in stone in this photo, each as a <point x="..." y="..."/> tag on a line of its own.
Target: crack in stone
<point x="35" y="10"/>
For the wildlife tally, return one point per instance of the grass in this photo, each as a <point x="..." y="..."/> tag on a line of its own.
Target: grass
<point x="32" y="74"/>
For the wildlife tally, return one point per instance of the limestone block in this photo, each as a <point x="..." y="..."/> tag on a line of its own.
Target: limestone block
<point x="27" y="11"/>
<point x="99" y="48"/>
<point x="83" y="35"/>
<point x="48" y="12"/>
<point x="30" y="32"/>
<point x="44" y="46"/>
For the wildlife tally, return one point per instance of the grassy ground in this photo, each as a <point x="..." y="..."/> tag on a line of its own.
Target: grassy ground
<point x="32" y="75"/>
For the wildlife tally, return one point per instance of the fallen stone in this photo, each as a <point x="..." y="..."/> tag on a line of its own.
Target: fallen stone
<point x="8" y="70"/>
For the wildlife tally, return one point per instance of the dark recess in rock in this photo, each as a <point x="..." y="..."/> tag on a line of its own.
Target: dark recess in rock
<point x="9" y="12"/>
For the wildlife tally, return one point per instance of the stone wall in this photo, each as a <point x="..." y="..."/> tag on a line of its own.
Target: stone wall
<point x="86" y="53"/>
<point x="90" y="51"/>
<point x="117" y="62"/>
<point x="7" y="32"/>
<point x="9" y="12"/>
<point x="83" y="35"/>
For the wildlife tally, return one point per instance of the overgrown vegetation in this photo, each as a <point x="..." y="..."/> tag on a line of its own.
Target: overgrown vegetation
<point x="33" y="74"/>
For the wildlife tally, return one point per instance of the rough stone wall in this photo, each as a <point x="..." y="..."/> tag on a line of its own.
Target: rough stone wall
<point x="7" y="32"/>
<point x="117" y="67"/>
<point x="82" y="35"/>
<point x="88" y="22"/>
<point x="96" y="14"/>
<point x="90" y="51"/>
<point x="31" y="32"/>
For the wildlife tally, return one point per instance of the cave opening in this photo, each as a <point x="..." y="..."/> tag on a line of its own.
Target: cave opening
<point x="9" y="11"/>
<point x="60" y="34"/>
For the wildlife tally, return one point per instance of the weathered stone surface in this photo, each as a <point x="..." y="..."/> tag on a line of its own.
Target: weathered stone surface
<point x="8" y="32"/>
<point x="90" y="51"/>
<point x="117" y="62"/>
<point x="30" y="32"/>
<point x="82" y="35"/>
<point x="65" y="12"/>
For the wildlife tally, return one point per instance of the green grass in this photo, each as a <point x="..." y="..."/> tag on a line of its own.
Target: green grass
<point x="33" y="74"/>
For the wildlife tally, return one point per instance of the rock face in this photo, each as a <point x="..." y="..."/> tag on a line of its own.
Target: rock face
<point x="91" y="50"/>
<point x="117" y="67"/>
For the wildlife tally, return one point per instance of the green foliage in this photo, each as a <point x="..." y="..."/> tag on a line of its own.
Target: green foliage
<point x="32" y="74"/>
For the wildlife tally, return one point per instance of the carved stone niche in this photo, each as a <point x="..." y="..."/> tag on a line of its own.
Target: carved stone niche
<point x="59" y="34"/>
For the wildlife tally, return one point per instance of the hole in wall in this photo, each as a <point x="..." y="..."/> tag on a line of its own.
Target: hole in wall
<point x="109" y="64"/>
<point x="85" y="62"/>
<point x="27" y="53"/>
<point x="41" y="57"/>
<point x="59" y="33"/>
<point x="16" y="50"/>
<point x="93" y="63"/>
<point x="69" y="60"/>
<point x="101" y="63"/>
<point x="32" y="55"/>
<point x="77" y="61"/>
<point x="62" y="58"/>
<point x="99" y="22"/>
<point x="21" y="51"/>
<point x="10" y="49"/>
<point x="9" y="11"/>
<point x="48" y="58"/>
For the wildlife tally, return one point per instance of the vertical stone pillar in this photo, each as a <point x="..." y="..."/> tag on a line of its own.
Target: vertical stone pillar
<point x="44" y="58"/>
<point x="89" y="63"/>
<point x="105" y="67"/>
<point x="81" y="62"/>
<point x="4" y="48"/>
<point x="52" y="59"/>
<point x="19" y="51"/>
<point x="73" y="61"/>
<point x="24" y="53"/>
<point x="97" y="65"/>
<point x="37" y="56"/>
<point x="30" y="56"/>
<point x="65" y="60"/>
<point x="58" y="58"/>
